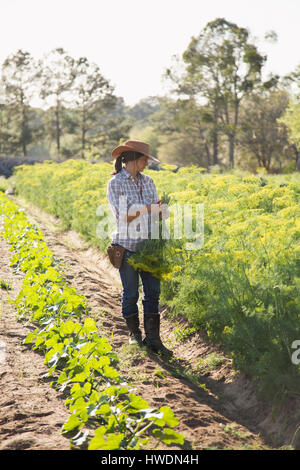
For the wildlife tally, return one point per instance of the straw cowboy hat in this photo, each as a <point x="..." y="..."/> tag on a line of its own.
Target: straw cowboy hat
<point x="135" y="146"/>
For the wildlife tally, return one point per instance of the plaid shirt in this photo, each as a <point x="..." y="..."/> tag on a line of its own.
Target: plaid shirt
<point x="144" y="192"/>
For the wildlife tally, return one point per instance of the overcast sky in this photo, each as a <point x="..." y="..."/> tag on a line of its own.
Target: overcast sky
<point x="133" y="41"/>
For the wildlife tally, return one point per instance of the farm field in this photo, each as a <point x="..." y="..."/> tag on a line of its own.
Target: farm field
<point x="212" y="382"/>
<point x="211" y="407"/>
<point x="191" y="343"/>
<point x="248" y="265"/>
<point x="105" y="413"/>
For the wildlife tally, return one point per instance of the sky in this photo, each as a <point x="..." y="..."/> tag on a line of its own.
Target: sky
<point x="133" y="41"/>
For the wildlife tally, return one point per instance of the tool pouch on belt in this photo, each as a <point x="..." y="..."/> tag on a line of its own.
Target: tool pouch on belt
<point x="115" y="254"/>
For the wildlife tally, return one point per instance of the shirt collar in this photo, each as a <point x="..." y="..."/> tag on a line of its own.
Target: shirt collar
<point x="126" y="175"/>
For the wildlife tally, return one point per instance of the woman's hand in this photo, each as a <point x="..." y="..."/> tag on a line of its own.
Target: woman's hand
<point x="153" y="208"/>
<point x="159" y="209"/>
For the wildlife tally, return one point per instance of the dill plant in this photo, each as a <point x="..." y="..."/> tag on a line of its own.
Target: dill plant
<point x="157" y="255"/>
<point x="243" y="285"/>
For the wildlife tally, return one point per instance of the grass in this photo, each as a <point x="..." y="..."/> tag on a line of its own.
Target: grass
<point x="130" y="355"/>
<point x="4" y="285"/>
<point x="51" y="223"/>
<point x="183" y="333"/>
<point x="4" y="183"/>
<point x="211" y="362"/>
<point x="159" y="373"/>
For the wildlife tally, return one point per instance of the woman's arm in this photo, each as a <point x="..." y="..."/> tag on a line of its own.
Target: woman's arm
<point x="147" y="209"/>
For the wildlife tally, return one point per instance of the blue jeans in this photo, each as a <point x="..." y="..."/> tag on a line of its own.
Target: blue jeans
<point x="130" y="282"/>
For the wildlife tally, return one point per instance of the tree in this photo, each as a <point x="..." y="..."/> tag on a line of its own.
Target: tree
<point x="221" y="68"/>
<point x="19" y="77"/>
<point x="57" y="76"/>
<point x="262" y="135"/>
<point x="93" y="95"/>
<point x="291" y="117"/>
<point x="184" y="131"/>
<point x="113" y="127"/>
<point x="142" y="110"/>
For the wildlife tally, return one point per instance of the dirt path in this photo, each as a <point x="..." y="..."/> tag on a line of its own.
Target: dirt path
<point x="216" y="408"/>
<point x="31" y="414"/>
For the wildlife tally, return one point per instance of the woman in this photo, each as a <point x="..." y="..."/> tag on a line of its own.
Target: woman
<point x="133" y="199"/>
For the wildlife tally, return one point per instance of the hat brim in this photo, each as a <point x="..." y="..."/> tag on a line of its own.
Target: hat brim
<point x="125" y="148"/>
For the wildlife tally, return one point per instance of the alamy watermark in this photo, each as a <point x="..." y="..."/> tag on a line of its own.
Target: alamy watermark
<point x="178" y="221"/>
<point x="296" y="354"/>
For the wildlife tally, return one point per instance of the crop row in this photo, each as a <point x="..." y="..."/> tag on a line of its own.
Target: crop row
<point x="105" y="413"/>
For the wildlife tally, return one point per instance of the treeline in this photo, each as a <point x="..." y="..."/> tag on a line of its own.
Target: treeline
<point x="74" y="107"/>
<point x="219" y="111"/>
<point x="223" y="112"/>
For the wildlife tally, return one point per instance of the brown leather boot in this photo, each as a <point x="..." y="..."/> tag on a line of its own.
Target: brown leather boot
<point x="152" y="339"/>
<point x="133" y="324"/>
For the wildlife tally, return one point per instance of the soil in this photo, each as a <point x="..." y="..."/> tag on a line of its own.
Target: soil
<point x="217" y="408"/>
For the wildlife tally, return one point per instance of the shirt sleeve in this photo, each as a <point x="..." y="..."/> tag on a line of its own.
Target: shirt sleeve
<point x="113" y="196"/>
<point x="155" y="195"/>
